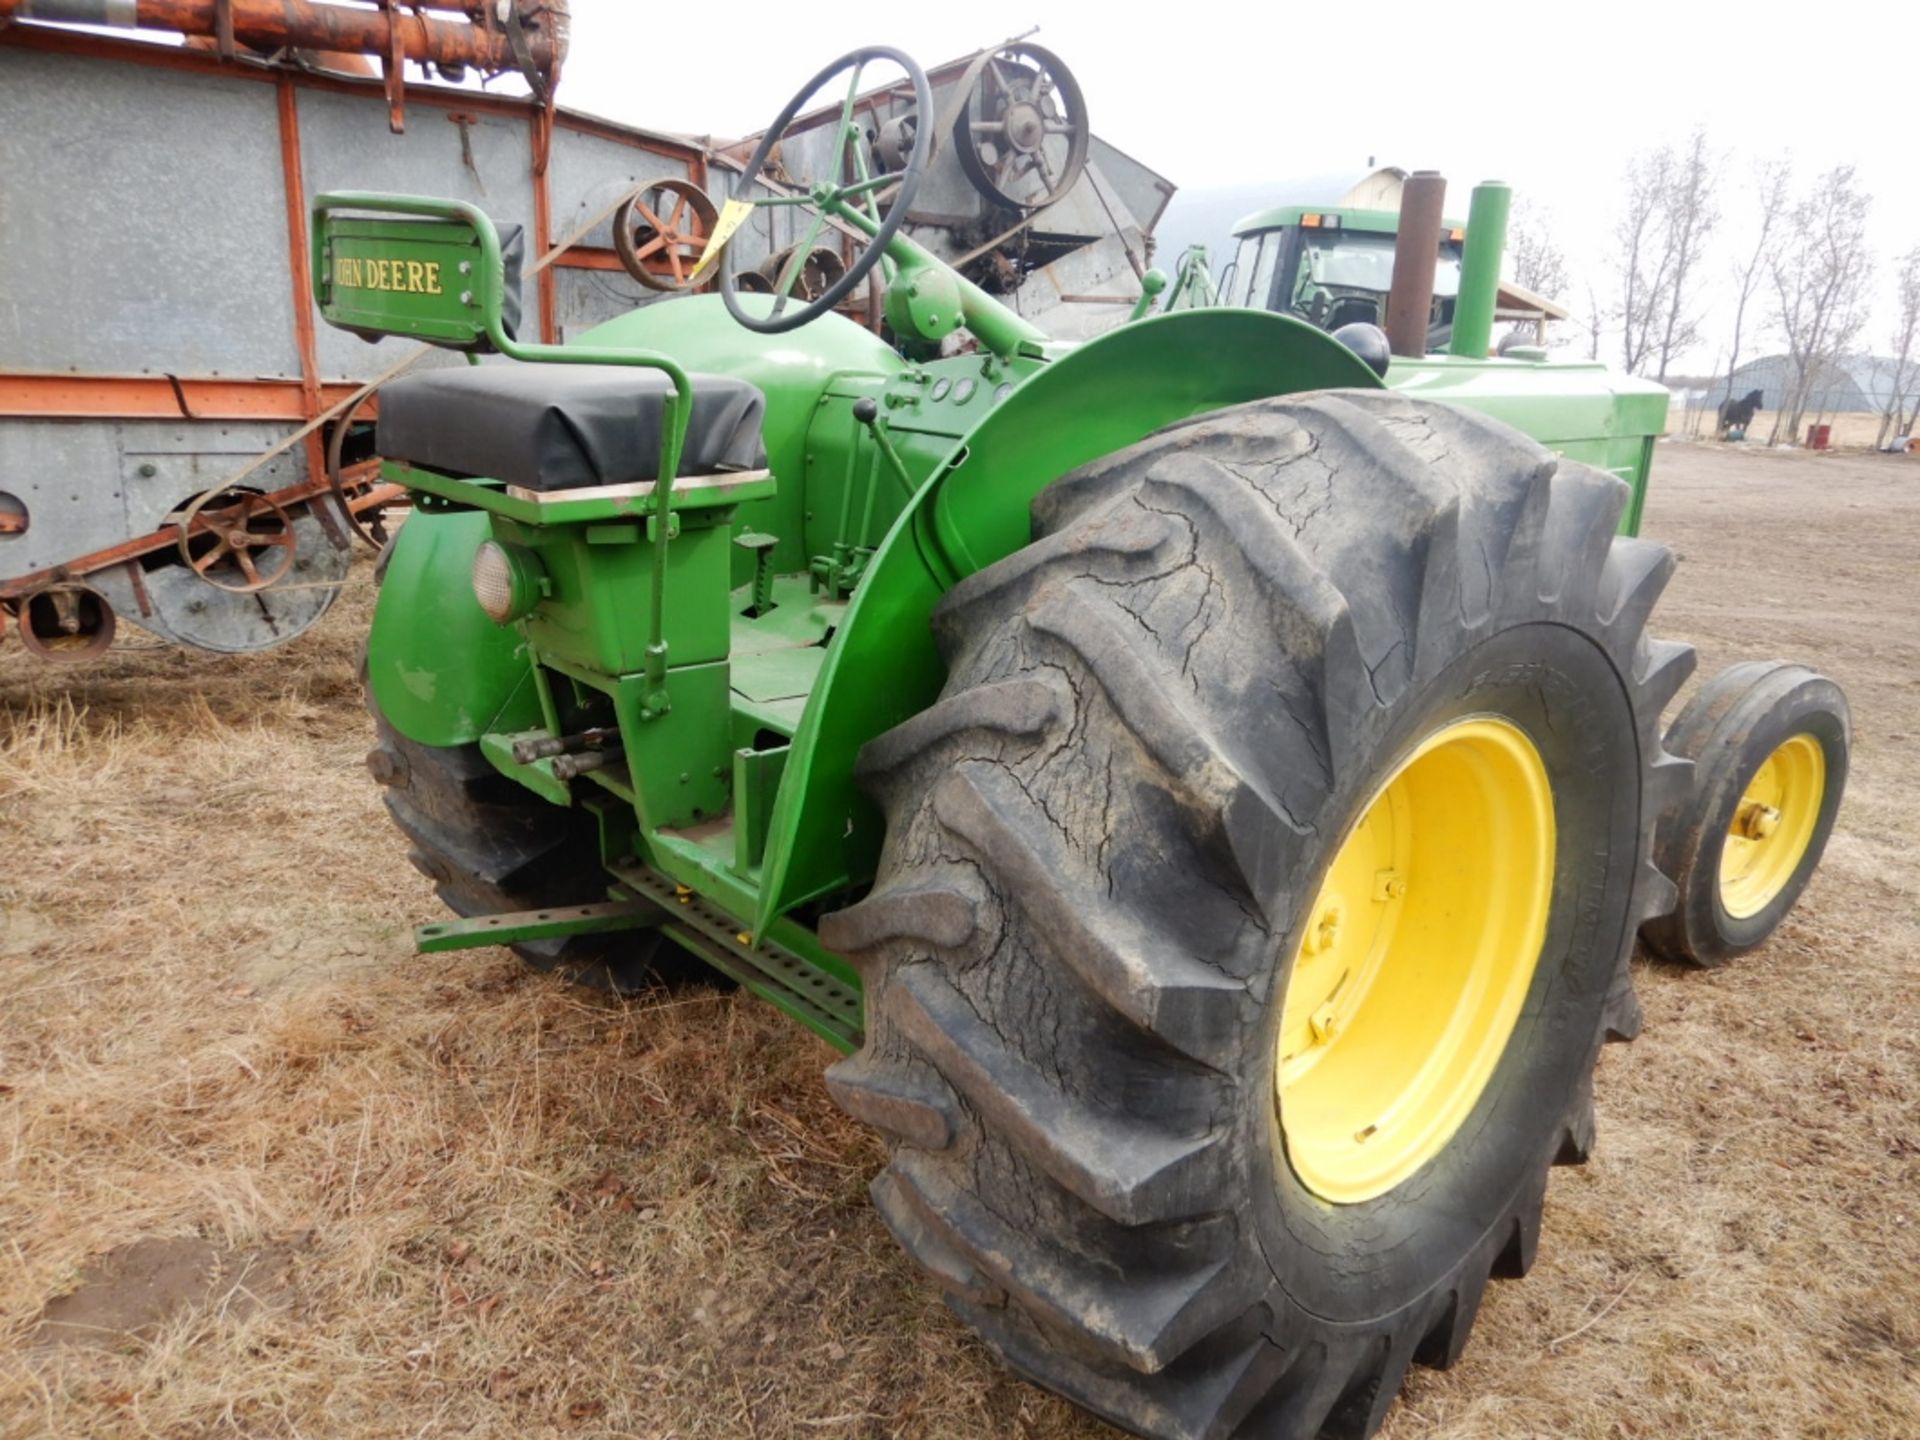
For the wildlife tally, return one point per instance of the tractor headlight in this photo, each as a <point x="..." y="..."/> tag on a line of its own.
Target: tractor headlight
<point x="507" y="580"/>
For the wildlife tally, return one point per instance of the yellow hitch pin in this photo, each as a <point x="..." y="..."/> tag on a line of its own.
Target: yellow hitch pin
<point x="733" y="215"/>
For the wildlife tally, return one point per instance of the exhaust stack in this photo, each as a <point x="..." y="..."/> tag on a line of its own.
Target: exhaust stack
<point x="1416" y="253"/>
<point x="1480" y="270"/>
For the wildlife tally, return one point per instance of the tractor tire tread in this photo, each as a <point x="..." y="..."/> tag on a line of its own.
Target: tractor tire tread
<point x="1047" y="1052"/>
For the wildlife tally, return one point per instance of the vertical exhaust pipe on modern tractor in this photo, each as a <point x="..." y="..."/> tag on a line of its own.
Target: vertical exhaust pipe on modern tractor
<point x="1480" y="270"/>
<point x="1416" y="252"/>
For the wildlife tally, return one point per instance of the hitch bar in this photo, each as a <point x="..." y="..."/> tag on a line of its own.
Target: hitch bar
<point x="518" y="927"/>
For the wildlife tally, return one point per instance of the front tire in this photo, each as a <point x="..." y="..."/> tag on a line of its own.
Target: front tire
<point x="1110" y="845"/>
<point x="1770" y="744"/>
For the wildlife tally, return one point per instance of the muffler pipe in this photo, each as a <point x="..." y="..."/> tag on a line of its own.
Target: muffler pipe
<point x="1416" y="255"/>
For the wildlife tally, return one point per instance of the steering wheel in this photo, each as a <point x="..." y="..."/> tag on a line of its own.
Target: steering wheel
<point x="849" y="156"/>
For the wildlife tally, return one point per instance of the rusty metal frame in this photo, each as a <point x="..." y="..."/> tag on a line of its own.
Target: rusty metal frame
<point x="293" y="180"/>
<point x="382" y="29"/>
<point x="371" y="497"/>
<point x="540" y="138"/>
<point x="62" y="395"/>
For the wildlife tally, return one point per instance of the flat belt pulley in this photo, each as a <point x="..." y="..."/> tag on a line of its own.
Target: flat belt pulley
<point x="817" y="273"/>
<point x="236" y="540"/>
<point x="661" y="231"/>
<point x="373" y="531"/>
<point x="1021" y="134"/>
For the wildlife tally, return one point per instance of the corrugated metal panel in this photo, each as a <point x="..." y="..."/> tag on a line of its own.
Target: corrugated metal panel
<point x="139" y="205"/>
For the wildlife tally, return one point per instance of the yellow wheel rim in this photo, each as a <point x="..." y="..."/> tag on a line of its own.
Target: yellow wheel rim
<point x="1772" y="826"/>
<point x="1416" y="958"/>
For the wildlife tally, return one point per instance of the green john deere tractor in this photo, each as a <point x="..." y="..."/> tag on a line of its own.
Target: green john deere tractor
<point x="1334" y="266"/>
<point x="1209" y="792"/>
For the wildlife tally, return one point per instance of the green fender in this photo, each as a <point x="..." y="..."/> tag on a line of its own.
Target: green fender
<point x="883" y="668"/>
<point x="440" y="670"/>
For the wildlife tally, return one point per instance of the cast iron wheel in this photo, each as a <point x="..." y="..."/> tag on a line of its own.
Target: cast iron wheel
<point x="1769" y="743"/>
<point x="489" y="845"/>
<point x="1202" y="1106"/>
<point x="668" y="223"/>
<point x="1022" y="134"/>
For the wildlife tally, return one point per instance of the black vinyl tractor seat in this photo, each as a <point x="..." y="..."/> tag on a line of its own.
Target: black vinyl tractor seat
<point x="564" y="427"/>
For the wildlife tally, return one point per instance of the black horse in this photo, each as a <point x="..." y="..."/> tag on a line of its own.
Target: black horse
<point x="1738" y="414"/>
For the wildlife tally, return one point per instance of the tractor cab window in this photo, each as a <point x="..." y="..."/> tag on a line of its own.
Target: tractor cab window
<point x="1251" y="282"/>
<point x="1345" y="276"/>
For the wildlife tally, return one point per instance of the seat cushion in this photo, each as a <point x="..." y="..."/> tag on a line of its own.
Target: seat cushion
<point x="562" y="427"/>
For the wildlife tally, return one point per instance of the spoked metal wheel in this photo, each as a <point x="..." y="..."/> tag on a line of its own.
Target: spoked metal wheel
<point x="236" y="540"/>
<point x="1022" y="135"/>
<point x="661" y="232"/>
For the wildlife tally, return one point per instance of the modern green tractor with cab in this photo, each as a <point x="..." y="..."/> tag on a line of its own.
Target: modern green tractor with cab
<point x="1333" y="266"/>
<point x="1209" y="790"/>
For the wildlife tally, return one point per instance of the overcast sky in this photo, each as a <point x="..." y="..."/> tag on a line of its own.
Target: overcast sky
<point x="1551" y="97"/>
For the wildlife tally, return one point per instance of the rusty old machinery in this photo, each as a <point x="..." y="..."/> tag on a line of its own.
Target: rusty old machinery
<point x="66" y="622"/>
<point x="277" y="410"/>
<point x="368" y="523"/>
<point x="524" y="36"/>
<point x="243" y="543"/>
<point x="661" y="231"/>
<point x="822" y="268"/>
<point x="1021" y="133"/>
<point x="234" y="539"/>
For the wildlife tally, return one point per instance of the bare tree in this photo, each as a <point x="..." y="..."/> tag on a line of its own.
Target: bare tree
<point x="1903" y="397"/>
<point x="1819" y="282"/>
<point x="1771" y="181"/>
<point x="1642" y="254"/>
<point x="1534" y="261"/>
<point x="1668" y="215"/>
<point x="1689" y="215"/>
<point x="1596" y="319"/>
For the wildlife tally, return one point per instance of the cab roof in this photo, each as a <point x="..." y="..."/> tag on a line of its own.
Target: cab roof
<point x="1373" y="222"/>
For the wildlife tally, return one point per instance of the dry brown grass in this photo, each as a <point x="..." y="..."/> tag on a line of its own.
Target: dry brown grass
<point x="506" y="1208"/>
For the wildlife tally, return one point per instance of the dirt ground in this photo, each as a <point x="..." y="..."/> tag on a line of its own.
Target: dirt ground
<point x="263" y="1172"/>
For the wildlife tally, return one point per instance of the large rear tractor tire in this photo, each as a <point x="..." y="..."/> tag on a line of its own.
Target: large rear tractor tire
<point x="491" y="846"/>
<point x="1255" y="901"/>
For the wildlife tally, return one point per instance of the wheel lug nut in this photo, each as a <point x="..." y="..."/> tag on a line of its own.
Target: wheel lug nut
<point x="1758" y="821"/>
<point x="1326" y="930"/>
